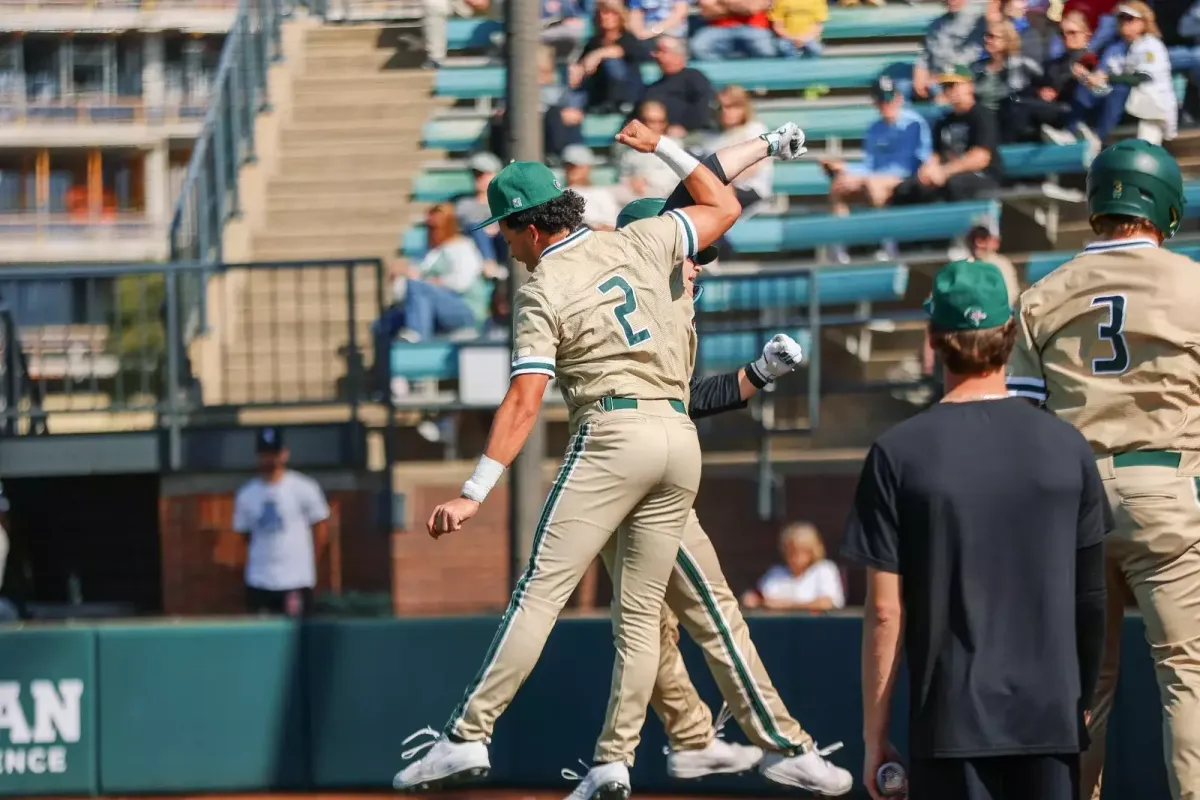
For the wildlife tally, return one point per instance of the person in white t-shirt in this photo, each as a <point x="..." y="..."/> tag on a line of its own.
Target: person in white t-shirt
<point x="806" y="581"/>
<point x="285" y="516"/>
<point x="1144" y="66"/>
<point x="601" y="207"/>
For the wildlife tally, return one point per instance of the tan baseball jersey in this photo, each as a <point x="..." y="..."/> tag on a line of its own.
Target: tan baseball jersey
<point x="1110" y="341"/>
<point x="599" y="312"/>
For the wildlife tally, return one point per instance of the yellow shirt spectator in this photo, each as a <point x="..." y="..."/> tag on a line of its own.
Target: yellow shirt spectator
<point x="799" y="19"/>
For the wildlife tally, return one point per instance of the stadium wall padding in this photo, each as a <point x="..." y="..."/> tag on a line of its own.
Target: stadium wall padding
<point x="271" y="705"/>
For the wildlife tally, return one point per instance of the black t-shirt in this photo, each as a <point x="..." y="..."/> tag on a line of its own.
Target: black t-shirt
<point x="955" y="134"/>
<point x="980" y="507"/>
<point x="688" y="96"/>
<point x="636" y="51"/>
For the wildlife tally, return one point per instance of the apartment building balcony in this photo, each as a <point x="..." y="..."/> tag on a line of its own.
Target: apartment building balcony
<point x="46" y="237"/>
<point x="104" y="16"/>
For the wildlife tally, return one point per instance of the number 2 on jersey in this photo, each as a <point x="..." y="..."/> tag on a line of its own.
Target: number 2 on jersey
<point x="1112" y="332"/>
<point x="622" y="312"/>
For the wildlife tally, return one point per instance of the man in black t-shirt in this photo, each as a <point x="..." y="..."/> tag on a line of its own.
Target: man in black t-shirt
<point x="964" y="164"/>
<point x="981" y="523"/>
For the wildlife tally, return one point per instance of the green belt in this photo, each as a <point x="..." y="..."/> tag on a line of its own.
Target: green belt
<point x="1147" y="458"/>
<point x="630" y="403"/>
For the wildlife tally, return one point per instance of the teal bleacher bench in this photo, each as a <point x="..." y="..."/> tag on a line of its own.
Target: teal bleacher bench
<point x="771" y="234"/>
<point x="843" y="23"/>
<point x="768" y="74"/>
<point x="462" y="134"/>
<point x="1042" y="264"/>
<point x="719" y="350"/>
<point x="797" y="178"/>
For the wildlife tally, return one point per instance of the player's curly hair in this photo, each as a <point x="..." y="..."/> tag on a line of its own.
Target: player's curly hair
<point x="975" y="352"/>
<point x="563" y="213"/>
<point x="1120" y="226"/>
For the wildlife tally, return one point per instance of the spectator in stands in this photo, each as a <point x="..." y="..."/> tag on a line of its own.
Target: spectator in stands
<point x="436" y="14"/>
<point x="737" y="123"/>
<point x="473" y="208"/>
<point x="1185" y="56"/>
<point x="601" y="209"/>
<point x="564" y="24"/>
<point x="953" y="39"/>
<point x="446" y="293"/>
<point x="561" y="109"/>
<point x="685" y="91"/>
<point x="964" y="163"/>
<point x="609" y="70"/>
<point x="1072" y="106"/>
<point x="734" y="28"/>
<point x="649" y="19"/>
<point x="1005" y="84"/>
<point x="1101" y="19"/>
<point x="284" y="515"/>
<point x="806" y="581"/>
<point x="1038" y="40"/>
<point x="1143" y="69"/>
<point x="983" y="242"/>
<point x="894" y="148"/>
<point x="644" y="174"/>
<point x="498" y="325"/>
<point x="799" y="24"/>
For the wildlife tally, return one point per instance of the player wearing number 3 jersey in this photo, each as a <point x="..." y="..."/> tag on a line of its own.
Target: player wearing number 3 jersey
<point x="1110" y="342"/>
<point x="599" y="314"/>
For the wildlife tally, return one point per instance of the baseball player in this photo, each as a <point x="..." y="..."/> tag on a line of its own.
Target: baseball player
<point x="598" y="313"/>
<point x="699" y="595"/>
<point x="1109" y="343"/>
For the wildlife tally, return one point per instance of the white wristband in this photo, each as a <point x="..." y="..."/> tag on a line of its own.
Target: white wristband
<point x="487" y="473"/>
<point x="681" y="162"/>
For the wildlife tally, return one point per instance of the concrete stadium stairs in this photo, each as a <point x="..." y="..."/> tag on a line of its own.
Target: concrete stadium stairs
<point x="334" y="183"/>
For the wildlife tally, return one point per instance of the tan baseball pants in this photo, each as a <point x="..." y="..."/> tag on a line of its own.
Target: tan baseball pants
<point x="636" y="469"/>
<point x="700" y="597"/>
<point x="1155" y="551"/>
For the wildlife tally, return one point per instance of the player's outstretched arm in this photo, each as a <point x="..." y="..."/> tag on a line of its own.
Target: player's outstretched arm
<point x="716" y="207"/>
<point x="718" y="393"/>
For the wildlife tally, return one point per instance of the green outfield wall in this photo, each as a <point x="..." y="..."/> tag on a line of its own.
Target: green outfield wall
<point x="261" y="705"/>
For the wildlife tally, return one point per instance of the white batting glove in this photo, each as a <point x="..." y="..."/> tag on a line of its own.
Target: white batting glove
<point x="785" y="143"/>
<point x="779" y="357"/>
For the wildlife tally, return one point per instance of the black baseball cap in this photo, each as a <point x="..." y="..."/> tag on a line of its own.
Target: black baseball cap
<point x="268" y="440"/>
<point x="884" y="90"/>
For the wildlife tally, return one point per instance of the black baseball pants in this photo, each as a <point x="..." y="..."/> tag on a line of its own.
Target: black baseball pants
<point x="1049" y="777"/>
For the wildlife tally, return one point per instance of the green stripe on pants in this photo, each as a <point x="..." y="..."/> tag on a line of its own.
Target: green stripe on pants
<point x="762" y="713"/>
<point x="518" y="595"/>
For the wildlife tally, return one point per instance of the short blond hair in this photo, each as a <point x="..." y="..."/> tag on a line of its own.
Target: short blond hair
<point x="1007" y="32"/>
<point x="804" y="534"/>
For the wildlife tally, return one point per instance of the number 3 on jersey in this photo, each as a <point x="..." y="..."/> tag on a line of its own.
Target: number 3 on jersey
<point x="1112" y="332"/>
<point x="622" y="312"/>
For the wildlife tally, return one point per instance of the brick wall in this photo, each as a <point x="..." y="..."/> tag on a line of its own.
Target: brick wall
<point x="201" y="576"/>
<point x="468" y="572"/>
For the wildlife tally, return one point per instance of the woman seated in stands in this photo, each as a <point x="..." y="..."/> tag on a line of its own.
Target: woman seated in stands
<point x="609" y="71"/>
<point x="446" y="293"/>
<point x="806" y="581"/>
<point x="737" y="124"/>
<point x="1077" y="107"/>
<point x="1005" y="84"/>
<point x="1134" y="78"/>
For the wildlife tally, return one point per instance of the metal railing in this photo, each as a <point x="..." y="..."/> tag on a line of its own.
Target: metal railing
<point x="209" y="197"/>
<point x="118" y="341"/>
<point x="107" y="111"/>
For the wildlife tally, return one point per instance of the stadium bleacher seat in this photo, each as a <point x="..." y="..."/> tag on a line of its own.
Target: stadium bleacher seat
<point x="771" y="233"/>
<point x="460" y="134"/>
<point x="799" y="178"/>
<point x="721" y="349"/>
<point x="844" y="72"/>
<point x="843" y="23"/>
<point x="1042" y="264"/>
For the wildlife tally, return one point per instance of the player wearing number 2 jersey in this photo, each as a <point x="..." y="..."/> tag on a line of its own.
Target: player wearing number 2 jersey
<point x="1110" y="342"/>
<point x="597" y="313"/>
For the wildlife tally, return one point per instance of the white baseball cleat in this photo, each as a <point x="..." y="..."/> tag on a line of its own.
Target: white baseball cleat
<point x="445" y="763"/>
<point x="602" y="782"/>
<point x="808" y="771"/>
<point x="719" y="758"/>
<point x="786" y="142"/>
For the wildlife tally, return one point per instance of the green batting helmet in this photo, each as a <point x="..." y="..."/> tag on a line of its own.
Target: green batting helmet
<point x="1134" y="178"/>
<point x="647" y="207"/>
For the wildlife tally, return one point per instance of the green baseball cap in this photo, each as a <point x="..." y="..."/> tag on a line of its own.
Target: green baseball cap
<point x="959" y="73"/>
<point x="647" y="207"/>
<point x="520" y="186"/>
<point x="968" y="295"/>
